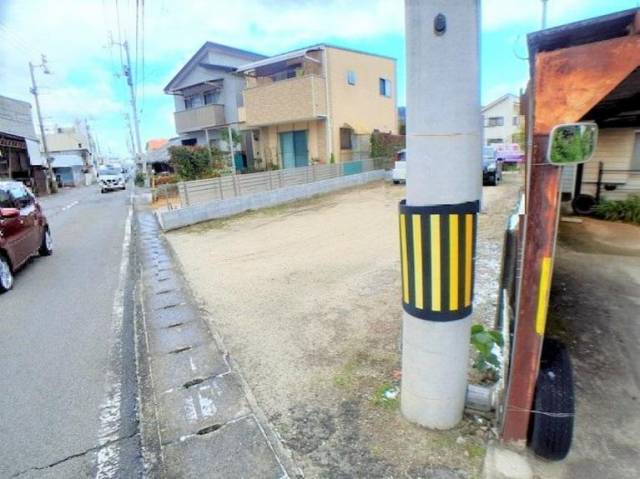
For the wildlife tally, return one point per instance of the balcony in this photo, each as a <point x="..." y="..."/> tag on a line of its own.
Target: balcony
<point x="286" y="101"/>
<point x="199" y="118"/>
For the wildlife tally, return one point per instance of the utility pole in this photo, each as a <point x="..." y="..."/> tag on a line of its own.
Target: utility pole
<point x="544" y="14"/>
<point x="126" y="69"/>
<point x="132" y="149"/>
<point x="34" y="91"/>
<point x="232" y="150"/>
<point x="438" y="221"/>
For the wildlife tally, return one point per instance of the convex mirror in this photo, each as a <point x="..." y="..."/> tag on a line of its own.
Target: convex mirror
<point x="572" y="143"/>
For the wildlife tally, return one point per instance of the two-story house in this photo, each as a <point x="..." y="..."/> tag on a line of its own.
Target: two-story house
<point x="317" y="104"/>
<point x="207" y="93"/>
<point x="502" y="120"/>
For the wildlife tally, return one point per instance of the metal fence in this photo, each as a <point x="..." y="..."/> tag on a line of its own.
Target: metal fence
<point x="187" y="193"/>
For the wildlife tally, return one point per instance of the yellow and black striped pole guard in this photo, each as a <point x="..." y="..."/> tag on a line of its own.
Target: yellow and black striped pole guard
<point x="437" y="251"/>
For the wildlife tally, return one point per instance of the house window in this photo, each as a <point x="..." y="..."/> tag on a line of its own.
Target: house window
<point x="351" y="77"/>
<point x="385" y="87"/>
<point x="345" y="138"/>
<point x="193" y="101"/>
<point x="516" y="120"/>
<point x="211" y="97"/>
<point x="290" y="72"/>
<point x="493" y="141"/>
<point x="495" y="121"/>
<point x="635" y="159"/>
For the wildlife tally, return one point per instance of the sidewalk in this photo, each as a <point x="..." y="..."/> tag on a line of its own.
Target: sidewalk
<point x="198" y="418"/>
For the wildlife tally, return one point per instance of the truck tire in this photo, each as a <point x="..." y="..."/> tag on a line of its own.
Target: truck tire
<point x="551" y="425"/>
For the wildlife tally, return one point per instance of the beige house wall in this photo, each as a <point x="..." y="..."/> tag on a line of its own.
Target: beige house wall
<point x="360" y="106"/>
<point x="615" y="151"/>
<point x="268" y="145"/>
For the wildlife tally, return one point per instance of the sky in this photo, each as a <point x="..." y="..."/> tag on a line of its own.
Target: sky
<point x="86" y="82"/>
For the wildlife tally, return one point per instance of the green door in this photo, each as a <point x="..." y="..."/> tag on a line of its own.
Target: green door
<point x="293" y="149"/>
<point x="286" y="150"/>
<point x="300" y="148"/>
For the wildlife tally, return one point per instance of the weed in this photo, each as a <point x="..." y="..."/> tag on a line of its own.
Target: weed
<point x="488" y="344"/>
<point x="386" y="396"/>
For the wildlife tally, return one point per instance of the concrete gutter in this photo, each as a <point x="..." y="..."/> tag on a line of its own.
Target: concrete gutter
<point x="174" y="219"/>
<point x="198" y="415"/>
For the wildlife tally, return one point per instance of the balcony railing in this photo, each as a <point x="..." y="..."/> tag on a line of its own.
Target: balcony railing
<point x="195" y="119"/>
<point x="284" y="101"/>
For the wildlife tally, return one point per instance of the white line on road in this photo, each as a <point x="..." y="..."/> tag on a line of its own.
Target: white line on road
<point x="70" y="205"/>
<point x="108" y="456"/>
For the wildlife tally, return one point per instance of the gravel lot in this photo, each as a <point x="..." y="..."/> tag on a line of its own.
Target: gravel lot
<point x="307" y="299"/>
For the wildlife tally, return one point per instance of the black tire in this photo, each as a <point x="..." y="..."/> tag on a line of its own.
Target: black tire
<point x="551" y="425"/>
<point x="102" y="190"/>
<point x="583" y="205"/>
<point x="46" y="247"/>
<point x="4" y="263"/>
<point x="396" y="182"/>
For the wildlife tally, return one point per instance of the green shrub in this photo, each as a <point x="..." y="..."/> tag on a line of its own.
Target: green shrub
<point x="620" y="210"/>
<point x="139" y="178"/>
<point x="195" y="162"/>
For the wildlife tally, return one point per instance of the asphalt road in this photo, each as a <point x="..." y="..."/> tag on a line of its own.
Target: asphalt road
<point x="67" y="369"/>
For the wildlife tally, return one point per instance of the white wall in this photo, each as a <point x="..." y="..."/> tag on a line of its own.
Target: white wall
<point x="507" y="110"/>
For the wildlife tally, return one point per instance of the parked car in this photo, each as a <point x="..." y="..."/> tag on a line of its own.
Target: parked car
<point x="24" y="231"/>
<point x="110" y="177"/>
<point x="399" y="173"/>
<point x="509" y="153"/>
<point x="491" y="167"/>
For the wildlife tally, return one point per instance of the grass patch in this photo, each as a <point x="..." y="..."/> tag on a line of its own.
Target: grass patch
<point x="386" y="396"/>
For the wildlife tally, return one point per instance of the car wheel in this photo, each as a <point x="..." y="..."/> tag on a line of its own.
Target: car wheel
<point x="102" y="190"/>
<point x="551" y="428"/>
<point x="46" y="247"/>
<point x="396" y="182"/>
<point x="6" y="275"/>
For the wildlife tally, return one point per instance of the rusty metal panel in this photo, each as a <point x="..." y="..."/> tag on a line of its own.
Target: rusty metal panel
<point x="571" y="81"/>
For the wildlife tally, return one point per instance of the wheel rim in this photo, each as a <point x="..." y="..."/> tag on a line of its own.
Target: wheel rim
<point x="48" y="242"/>
<point x="6" y="278"/>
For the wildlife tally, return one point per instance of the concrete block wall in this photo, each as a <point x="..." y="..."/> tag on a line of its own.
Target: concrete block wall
<point x="174" y="219"/>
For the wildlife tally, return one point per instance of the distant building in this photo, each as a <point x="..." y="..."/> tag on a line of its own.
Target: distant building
<point x="20" y="157"/>
<point x="502" y="120"/>
<point x="207" y="93"/>
<point x="402" y="120"/>
<point x="70" y="150"/>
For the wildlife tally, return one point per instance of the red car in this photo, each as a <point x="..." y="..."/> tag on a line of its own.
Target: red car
<point x="24" y="231"/>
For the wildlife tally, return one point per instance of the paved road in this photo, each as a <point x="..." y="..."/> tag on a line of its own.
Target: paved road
<point x="67" y="376"/>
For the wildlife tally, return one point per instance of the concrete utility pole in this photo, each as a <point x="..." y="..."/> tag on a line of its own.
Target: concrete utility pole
<point x="544" y="14"/>
<point x="438" y="221"/>
<point x="34" y="91"/>
<point x="126" y="69"/>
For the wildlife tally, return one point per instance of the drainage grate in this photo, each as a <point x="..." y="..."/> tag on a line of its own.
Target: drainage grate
<point x="208" y="429"/>
<point x="193" y="382"/>
<point x="180" y="350"/>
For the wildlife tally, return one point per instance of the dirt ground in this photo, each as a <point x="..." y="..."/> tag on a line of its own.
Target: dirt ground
<point x="307" y="299"/>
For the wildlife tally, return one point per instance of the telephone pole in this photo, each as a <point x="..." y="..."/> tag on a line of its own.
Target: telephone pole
<point x="126" y="70"/>
<point x="544" y="14"/>
<point x="438" y="221"/>
<point x="34" y="91"/>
